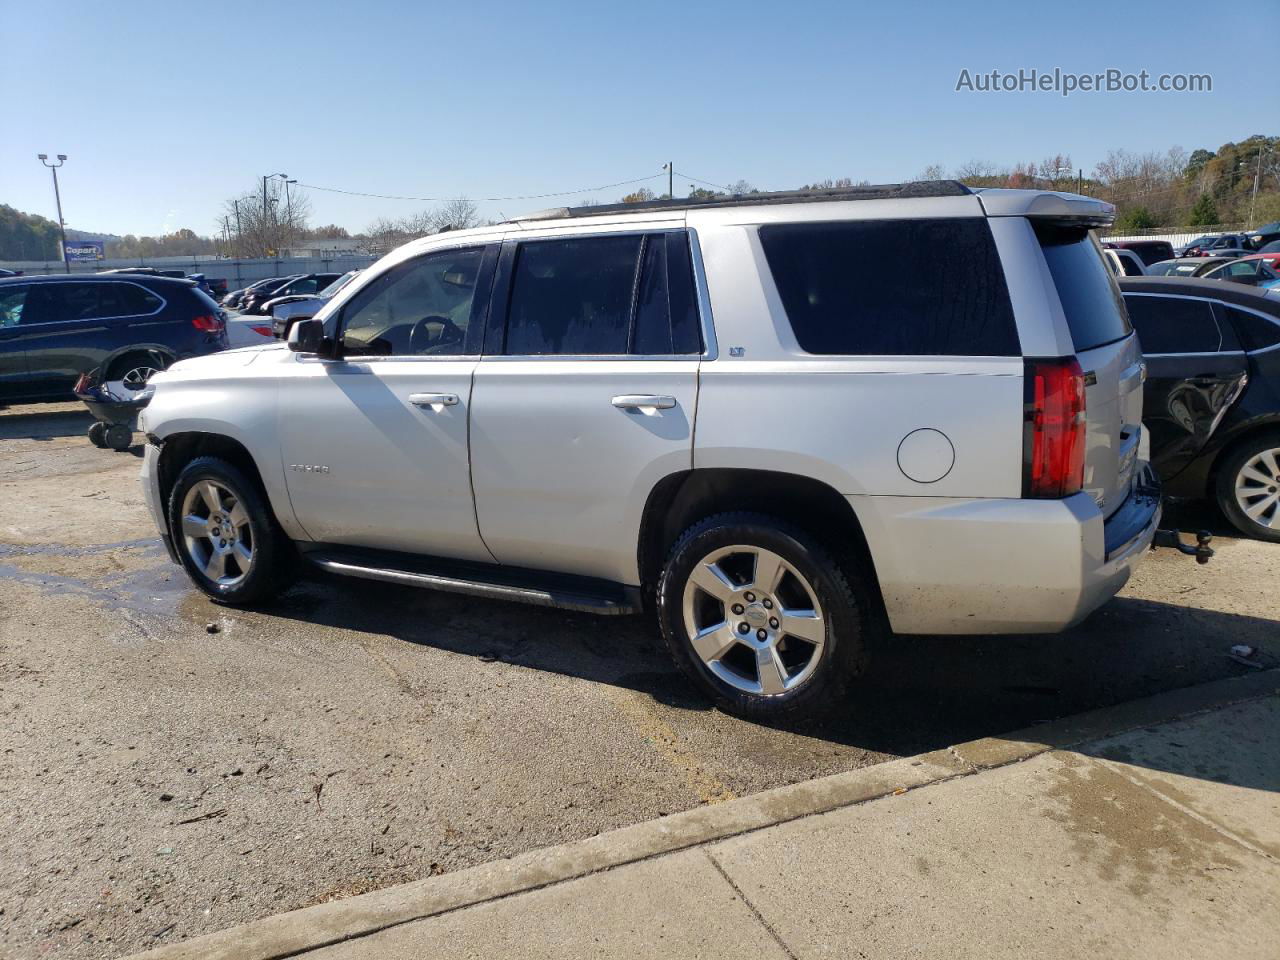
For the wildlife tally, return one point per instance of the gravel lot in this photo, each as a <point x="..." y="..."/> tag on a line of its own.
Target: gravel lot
<point x="159" y="781"/>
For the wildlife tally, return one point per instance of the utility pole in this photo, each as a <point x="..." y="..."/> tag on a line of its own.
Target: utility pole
<point x="57" y="196"/>
<point x="236" y="204"/>
<point x="671" y="173"/>
<point x="1256" y="176"/>
<point x="1080" y="180"/>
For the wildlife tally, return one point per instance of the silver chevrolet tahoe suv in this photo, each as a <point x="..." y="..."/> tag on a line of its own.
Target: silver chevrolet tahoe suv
<point x="779" y="423"/>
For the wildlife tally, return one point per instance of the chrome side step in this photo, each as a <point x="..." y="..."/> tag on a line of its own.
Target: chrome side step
<point x="499" y="584"/>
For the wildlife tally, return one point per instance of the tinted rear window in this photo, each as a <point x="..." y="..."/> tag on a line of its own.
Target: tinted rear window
<point x="893" y="287"/>
<point x="1090" y="298"/>
<point x="1174" y="324"/>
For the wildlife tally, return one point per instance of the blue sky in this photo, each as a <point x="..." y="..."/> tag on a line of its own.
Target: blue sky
<point x="167" y="109"/>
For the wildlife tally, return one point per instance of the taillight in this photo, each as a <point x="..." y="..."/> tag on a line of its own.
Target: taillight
<point x="206" y="323"/>
<point x="262" y="331"/>
<point x="1054" y="430"/>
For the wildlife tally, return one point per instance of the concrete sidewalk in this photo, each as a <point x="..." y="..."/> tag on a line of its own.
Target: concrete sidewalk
<point x="1073" y="839"/>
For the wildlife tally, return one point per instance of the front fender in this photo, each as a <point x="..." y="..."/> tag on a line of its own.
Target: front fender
<point x="245" y="411"/>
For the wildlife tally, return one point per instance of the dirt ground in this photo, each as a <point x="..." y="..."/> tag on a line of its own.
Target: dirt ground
<point x="158" y="780"/>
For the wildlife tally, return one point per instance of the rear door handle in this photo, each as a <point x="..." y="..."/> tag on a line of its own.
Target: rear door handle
<point x="433" y="399"/>
<point x="639" y="401"/>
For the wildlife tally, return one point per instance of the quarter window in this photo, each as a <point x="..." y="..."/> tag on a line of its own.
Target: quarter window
<point x="1174" y="324"/>
<point x="893" y="287"/>
<point x="421" y="308"/>
<point x="1256" y="332"/>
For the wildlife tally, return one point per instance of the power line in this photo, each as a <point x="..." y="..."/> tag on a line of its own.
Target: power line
<point x="530" y="196"/>
<point x="705" y="183"/>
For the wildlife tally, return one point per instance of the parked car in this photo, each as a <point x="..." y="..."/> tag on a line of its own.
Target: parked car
<point x="1265" y="235"/>
<point x="1251" y="271"/>
<point x="217" y="287"/>
<point x="236" y="297"/>
<point x="248" y="329"/>
<point x="9" y="273"/>
<point x="1212" y="395"/>
<point x="304" y="284"/>
<point x="1207" y="246"/>
<point x="55" y="328"/>
<point x="542" y="445"/>
<point x="144" y="272"/>
<point x="1186" y="266"/>
<point x="1149" y="251"/>
<point x="285" y="311"/>
<point x="1125" y="263"/>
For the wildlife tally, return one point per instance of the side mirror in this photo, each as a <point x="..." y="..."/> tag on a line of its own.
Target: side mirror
<point x="306" y="336"/>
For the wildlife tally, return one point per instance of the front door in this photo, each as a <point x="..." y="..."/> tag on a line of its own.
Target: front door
<point x="585" y="398"/>
<point x="375" y="443"/>
<point x="1195" y="370"/>
<point x="13" y="361"/>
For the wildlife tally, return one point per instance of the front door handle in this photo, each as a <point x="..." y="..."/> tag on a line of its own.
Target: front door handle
<point x="433" y="399"/>
<point x="639" y="401"/>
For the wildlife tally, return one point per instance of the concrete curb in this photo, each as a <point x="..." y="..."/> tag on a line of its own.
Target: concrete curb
<point x="289" y="934"/>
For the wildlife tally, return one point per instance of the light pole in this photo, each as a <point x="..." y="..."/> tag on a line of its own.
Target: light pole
<point x="57" y="197"/>
<point x="265" y="178"/>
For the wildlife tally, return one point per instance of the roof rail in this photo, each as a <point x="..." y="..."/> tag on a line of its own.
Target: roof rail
<point x="884" y="191"/>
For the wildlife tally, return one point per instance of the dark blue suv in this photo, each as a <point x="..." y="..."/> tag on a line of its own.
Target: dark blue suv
<point x="52" y="329"/>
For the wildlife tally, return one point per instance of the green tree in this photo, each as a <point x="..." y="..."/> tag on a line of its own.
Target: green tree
<point x="1204" y="213"/>
<point x="1135" y="218"/>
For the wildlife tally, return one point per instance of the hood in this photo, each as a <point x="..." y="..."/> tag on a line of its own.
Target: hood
<point x="215" y="364"/>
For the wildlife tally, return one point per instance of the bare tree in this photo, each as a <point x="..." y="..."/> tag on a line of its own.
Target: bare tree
<point x="263" y="224"/>
<point x="456" y="214"/>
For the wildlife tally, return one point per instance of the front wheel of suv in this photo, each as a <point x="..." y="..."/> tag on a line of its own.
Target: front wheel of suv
<point x="762" y="618"/>
<point x="226" y="535"/>
<point x="1248" y="487"/>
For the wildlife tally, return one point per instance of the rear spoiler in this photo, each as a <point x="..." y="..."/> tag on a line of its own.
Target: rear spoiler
<point x="1066" y="207"/>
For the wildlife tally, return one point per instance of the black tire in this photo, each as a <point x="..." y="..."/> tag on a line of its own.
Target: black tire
<point x="273" y="565"/>
<point x="118" y="437"/>
<point x="128" y="369"/>
<point x="98" y="434"/>
<point x="1267" y="526"/>
<point x="842" y="592"/>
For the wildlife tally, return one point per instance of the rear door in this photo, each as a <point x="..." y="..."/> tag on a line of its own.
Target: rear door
<point x="1108" y="353"/>
<point x="1196" y="370"/>
<point x="585" y="397"/>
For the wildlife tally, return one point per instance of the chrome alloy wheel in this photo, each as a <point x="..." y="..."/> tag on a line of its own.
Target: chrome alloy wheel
<point x="753" y="620"/>
<point x="1258" y="489"/>
<point x="135" y="378"/>
<point x="216" y="533"/>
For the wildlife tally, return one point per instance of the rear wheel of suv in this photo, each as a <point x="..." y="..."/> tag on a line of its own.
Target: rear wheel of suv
<point x="134" y="370"/>
<point x="762" y="618"/>
<point x="1248" y="487"/>
<point x="226" y="535"/>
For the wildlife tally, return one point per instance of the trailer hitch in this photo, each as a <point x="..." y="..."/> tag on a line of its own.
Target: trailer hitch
<point x="1173" y="538"/>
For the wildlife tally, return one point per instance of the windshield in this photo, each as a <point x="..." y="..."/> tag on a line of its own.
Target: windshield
<point x="338" y="284"/>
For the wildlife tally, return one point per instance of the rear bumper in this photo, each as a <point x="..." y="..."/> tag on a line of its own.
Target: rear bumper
<point x="950" y="566"/>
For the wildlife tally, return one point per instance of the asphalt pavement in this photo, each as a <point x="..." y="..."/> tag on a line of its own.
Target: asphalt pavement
<point x="159" y="781"/>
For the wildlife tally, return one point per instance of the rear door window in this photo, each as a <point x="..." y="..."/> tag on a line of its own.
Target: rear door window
<point x="573" y="296"/>
<point x="1173" y="324"/>
<point x="893" y="287"/>
<point x="1089" y="295"/>
<point x="133" y="300"/>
